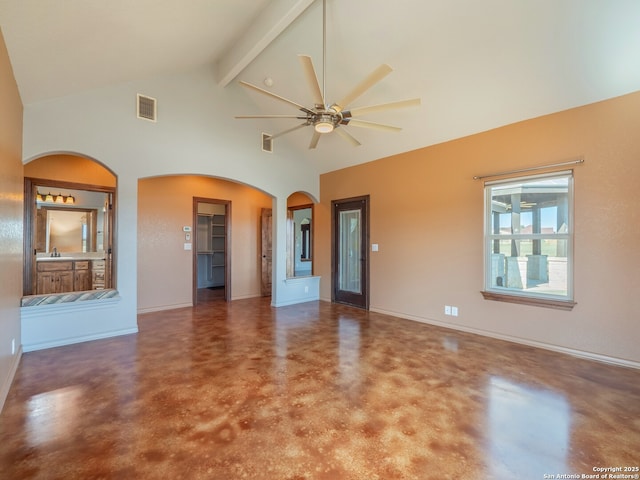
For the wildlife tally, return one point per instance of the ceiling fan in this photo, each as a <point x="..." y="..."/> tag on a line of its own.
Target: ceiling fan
<point x="324" y="117"/>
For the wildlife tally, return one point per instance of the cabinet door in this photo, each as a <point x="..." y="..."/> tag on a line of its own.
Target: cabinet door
<point x="82" y="280"/>
<point x="45" y="283"/>
<point x="97" y="274"/>
<point x="64" y="282"/>
<point x="97" y="279"/>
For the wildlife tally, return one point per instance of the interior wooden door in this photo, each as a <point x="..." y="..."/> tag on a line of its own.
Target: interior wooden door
<point x="350" y="251"/>
<point x="266" y="224"/>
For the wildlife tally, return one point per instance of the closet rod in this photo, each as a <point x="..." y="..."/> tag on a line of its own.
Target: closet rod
<point x="530" y="169"/>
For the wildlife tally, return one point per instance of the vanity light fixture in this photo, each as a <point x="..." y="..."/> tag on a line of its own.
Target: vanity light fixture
<point x="59" y="199"/>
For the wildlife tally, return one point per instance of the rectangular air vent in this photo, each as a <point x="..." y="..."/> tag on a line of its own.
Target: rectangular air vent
<point x="267" y="143"/>
<point x="147" y="108"/>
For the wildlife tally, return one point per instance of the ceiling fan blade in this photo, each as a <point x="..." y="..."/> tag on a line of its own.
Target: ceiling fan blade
<point x="312" y="79"/>
<point x="375" y="126"/>
<point x="348" y="137"/>
<point x="270" y="116"/>
<point x="356" y="112"/>
<point x="373" y="78"/>
<point x="314" y="140"/>
<point x="273" y="95"/>
<point x="287" y="131"/>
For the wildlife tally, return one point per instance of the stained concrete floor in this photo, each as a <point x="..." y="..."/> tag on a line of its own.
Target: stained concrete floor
<point x="312" y="391"/>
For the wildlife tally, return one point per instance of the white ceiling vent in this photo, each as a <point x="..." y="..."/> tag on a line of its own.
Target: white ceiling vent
<point x="147" y="108"/>
<point x="267" y="143"/>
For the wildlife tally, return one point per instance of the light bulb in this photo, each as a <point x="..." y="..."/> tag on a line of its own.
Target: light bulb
<point x="324" y="124"/>
<point x="323" y="127"/>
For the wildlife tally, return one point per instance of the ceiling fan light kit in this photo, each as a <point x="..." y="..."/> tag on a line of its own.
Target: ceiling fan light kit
<point x="324" y="123"/>
<point x="326" y="118"/>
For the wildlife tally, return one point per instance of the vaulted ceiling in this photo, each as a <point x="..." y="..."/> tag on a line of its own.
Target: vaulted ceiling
<point x="474" y="65"/>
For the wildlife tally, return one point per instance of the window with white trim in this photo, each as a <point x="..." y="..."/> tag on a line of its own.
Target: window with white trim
<point x="529" y="238"/>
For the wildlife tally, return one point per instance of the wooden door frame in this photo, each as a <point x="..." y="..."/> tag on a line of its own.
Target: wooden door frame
<point x="263" y="258"/>
<point x="291" y="238"/>
<point x="227" y="246"/>
<point x="365" y="248"/>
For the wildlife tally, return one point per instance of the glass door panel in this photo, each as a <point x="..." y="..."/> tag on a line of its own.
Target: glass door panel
<point x="349" y="265"/>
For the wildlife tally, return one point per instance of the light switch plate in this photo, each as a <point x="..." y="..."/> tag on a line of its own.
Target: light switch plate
<point x="187" y="246"/>
<point x="374" y="247"/>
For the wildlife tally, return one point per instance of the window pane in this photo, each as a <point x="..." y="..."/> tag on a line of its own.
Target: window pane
<point x="350" y="244"/>
<point x="544" y="274"/>
<point x="534" y="206"/>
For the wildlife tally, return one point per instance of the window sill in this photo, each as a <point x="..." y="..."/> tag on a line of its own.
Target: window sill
<point x="536" y="302"/>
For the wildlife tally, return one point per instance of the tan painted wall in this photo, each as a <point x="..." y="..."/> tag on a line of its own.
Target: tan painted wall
<point x="298" y="198"/>
<point x="70" y="168"/>
<point x="11" y="213"/>
<point x="427" y="217"/>
<point x="165" y="205"/>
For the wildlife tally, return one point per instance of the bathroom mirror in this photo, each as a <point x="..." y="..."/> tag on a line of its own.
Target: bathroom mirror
<point x="300" y="242"/>
<point x="67" y="230"/>
<point x="70" y="227"/>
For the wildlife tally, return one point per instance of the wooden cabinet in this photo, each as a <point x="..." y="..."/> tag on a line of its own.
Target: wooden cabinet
<point x="54" y="277"/>
<point x="60" y="276"/>
<point x="81" y="276"/>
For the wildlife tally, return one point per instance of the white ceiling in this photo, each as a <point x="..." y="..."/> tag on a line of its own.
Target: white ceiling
<point x="476" y="65"/>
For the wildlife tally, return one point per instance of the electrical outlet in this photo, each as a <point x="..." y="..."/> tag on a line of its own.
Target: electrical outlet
<point x="447" y="310"/>
<point x="306" y="289"/>
<point x="454" y="311"/>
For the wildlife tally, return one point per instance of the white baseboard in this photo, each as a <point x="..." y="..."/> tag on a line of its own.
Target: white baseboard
<point x="294" y="301"/>
<point x="4" y="390"/>
<point x="245" y="297"/>
<point x="84" y="338"/>
<point x="523" y="341"/>
<point x="164" y="307"/>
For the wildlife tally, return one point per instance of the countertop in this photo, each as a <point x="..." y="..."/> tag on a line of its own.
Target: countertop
<point x="68" y="258"/>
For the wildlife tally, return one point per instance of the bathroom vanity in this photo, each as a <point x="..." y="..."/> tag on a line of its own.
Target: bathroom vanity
<point x="69" y="274"/>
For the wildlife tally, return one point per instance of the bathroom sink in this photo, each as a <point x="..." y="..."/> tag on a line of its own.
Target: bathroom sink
<point x="49" y="259"/>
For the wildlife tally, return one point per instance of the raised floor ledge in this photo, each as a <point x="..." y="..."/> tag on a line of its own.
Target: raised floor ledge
<point x="67" y="297"/>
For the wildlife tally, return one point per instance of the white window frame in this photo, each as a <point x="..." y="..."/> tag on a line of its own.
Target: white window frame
<point x="503" y="293"/>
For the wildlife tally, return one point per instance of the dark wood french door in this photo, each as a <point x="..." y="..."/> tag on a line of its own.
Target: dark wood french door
<point x="350" y="251"/>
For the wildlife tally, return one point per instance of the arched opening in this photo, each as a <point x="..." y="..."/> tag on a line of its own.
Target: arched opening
<point x="68" y="225"/>
<point x="180" y="247"/>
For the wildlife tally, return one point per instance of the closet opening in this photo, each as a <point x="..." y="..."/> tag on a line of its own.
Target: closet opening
<point x="211" y="256"/>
